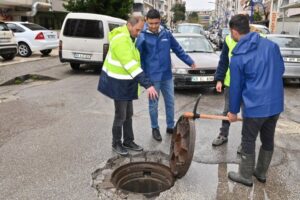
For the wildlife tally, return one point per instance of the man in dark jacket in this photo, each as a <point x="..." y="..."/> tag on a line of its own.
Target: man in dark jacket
<point x="154" y="44"/>
<point x="257" y="67"/>
<point x="119" y="80"/>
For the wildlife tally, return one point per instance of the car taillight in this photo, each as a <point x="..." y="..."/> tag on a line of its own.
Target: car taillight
<point x="105" y="50"/>
<point x="60" y="45"/>
<point x="39" y="36"/>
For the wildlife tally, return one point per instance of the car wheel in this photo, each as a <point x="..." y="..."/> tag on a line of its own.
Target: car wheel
<point x="24" y="50"/>
<point x="46" y="52"/>
<point x="75" y="66"/>
<point x="8" y="56"/>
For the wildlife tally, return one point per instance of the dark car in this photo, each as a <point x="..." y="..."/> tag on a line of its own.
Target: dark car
<point x="202" y="52"/>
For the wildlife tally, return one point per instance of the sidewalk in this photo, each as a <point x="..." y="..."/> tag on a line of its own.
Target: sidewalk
<point x="35" y="56"/>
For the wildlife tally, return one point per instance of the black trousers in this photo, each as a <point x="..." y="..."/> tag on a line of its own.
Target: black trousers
<point x="122" y="121"/>
<point x="252" y="126"/>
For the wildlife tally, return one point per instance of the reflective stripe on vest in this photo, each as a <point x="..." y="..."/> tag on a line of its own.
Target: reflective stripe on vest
<point x="231" y="44"/>
<point x="115" y="69"/>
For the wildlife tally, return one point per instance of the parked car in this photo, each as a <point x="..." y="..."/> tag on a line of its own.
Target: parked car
<point x="8" y="44"/>
<point x="261" y="28"/>
<point x="201" y="51"/>
<point x="290" y="50"/>
<point x="222" y="33"/>
<point x="84" y="38"/>
<point x="190" y="28"/>
<point x="33" y="37"/>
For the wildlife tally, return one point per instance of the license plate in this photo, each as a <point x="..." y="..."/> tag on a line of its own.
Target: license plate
<point x="82" y="56"/>
<point x="292" y="59"/>
<point x="202" y="78"/>
<point x="51" y="36"/>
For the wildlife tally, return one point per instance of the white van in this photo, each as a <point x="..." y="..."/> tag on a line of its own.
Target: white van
<point x="84" y="38"/>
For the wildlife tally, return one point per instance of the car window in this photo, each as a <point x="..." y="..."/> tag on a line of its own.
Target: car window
<point x="189" y="29"/>
<point x="34" y="27"/>
<point x="195" y="44"/>
<point x="286" y="42"/>
<point x="3" y="27"/>
<point x="84" y="28"/>
<point x="113" y="26"/>
<point x="15" y="28"/>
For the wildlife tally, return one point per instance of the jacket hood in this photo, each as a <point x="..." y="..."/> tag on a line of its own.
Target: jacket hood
<point x="145" y="28"/>
<point x="247" y="43"/>
<point x="116" y="31"/>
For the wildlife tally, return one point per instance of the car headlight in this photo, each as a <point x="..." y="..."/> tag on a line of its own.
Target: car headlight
<point x="180" y="71"/>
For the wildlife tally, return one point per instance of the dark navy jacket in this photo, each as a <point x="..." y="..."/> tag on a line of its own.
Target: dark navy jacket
<point x="223" y="63"/>
<point x="257" y="67"/>
<point x="155" y="53"/>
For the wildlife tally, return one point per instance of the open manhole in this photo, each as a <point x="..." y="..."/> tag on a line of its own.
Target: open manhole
<point x="147" y="178"/>
<point x="148" y="173"/>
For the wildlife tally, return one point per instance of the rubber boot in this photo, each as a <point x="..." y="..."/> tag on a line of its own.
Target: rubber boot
<point x="263" y="163"/>
<point x="246" y="168"/>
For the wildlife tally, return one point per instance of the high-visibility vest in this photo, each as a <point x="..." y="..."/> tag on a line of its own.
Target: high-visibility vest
<point x="123" y="58"/>
<point x="231" y="44"/>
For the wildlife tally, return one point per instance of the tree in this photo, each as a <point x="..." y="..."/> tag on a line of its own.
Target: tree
<point x="179" y="12"/>
<point x="193" y="17"/>
<point x="257" y="17"/>
<point x="115" y="8"/>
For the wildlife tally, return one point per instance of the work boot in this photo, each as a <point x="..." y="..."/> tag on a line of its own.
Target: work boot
<point x="244" y="176"/>
<point x="133" y="146"/>
<point x="118" y="148"/>
<point x="219" y="140"/>
<point x="170" y="130"/>
<point x="156" y="134"/>
<point x="263" y="162"/>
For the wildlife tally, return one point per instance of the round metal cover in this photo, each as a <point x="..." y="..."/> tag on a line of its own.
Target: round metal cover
<point x="182" y="146"/>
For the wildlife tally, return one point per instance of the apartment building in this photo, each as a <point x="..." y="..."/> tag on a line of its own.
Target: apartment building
<point x="285" y="16"/>
<point x="48" y="13"/>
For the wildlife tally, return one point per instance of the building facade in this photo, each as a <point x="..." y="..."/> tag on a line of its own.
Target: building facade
<point x="48" y="13"/>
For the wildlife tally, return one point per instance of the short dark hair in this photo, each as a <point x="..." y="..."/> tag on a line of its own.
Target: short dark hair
<point x="153" y="14"/>
<point x="240" y="23"/>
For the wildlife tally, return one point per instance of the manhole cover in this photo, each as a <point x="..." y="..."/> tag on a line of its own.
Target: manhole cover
<point x="145" y="178"/>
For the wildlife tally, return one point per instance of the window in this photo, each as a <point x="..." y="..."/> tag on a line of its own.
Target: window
<point x="15" y="28"/>
<point x="113" y="26"/>
<point x="3" y="27"/>
<point x="34" y="27"/>
<point x="84" y="28"/>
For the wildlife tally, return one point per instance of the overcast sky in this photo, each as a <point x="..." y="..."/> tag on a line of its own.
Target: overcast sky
<point x="199" y="5"/>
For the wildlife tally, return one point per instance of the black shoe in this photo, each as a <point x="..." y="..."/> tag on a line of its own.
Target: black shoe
<point x="170" y="130"/>
<point x="133" y="146"/>
<point x="156" y="134"/>
<point x="120" y="149"/>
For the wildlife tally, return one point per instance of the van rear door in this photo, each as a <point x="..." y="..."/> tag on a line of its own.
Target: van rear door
<point x="83" y="40"/>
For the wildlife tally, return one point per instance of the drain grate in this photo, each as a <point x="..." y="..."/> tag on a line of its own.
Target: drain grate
<point x="145" y="178"/>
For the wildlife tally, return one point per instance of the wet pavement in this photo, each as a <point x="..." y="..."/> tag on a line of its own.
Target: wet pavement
<point x="55" y="134"/>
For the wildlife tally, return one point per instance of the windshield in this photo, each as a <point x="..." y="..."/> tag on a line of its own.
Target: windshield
<point x="189" y="29"/>
<point x="286" y="42"/>
<point x="195" y="44"/>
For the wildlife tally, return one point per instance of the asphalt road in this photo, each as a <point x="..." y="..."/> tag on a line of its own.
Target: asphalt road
<point x="55" y="133"/>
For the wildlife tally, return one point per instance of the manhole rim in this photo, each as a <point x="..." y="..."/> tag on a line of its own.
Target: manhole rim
<point x="170" y="177"/>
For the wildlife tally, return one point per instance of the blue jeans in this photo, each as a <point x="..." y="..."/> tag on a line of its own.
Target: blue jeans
<point x="167" y="90"/>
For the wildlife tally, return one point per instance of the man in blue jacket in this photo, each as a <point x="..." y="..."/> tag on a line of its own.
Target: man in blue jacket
<point x="257" y="87"/>
<point x="154" y="44"/>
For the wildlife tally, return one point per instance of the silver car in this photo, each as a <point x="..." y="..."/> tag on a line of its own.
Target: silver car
<point x="290" y="51"/>
<point x="202" y="52"/>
